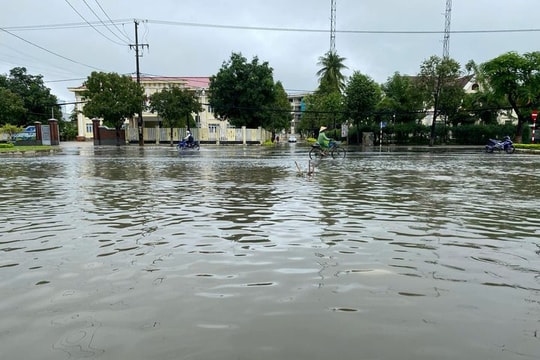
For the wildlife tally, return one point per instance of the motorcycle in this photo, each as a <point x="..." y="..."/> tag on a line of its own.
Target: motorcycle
<point x="184" y="145"/>
<point x="497" y="145"/>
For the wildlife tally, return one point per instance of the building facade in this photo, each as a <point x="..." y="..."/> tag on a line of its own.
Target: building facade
<point x="207" y="122"/>
<point x="152" y="84"/>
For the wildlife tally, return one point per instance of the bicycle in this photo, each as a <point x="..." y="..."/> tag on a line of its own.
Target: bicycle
<point x="334" y="149"/>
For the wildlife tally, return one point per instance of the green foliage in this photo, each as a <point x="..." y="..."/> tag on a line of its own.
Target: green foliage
<point x="10" y="130"/>
<point x="322" y="109"/>
<point x="331" y="78"/>
<point x="175" y="106"/>
<point x="68" y="130"/>
<point x="439" y="83"/>
<point x="243" y="92"/>
<point x="111" y="97"/>
<point x="362" y="95"/>
<point x="516" y="78"/>
<point x="11" y="106"/>
<point x="6" y="146"/>
<point x="280" y="116"/>
<point x="409" y="133"/>
<point x="402" y="98"/>
<point x="480" y="134"/>
<point x="24" y="99"/>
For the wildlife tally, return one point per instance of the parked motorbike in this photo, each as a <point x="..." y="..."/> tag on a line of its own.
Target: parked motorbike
<point x="498" y="145"/>
<point x="184" y="145"/>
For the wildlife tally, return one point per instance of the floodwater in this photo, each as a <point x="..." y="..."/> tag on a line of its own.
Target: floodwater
<point x="235" y="253"/>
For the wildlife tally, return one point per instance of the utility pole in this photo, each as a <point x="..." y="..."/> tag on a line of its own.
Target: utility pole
<point x="136" y="46"/>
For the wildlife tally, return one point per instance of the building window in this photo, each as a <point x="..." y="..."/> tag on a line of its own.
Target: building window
<point x="89" y="128"/>
<point x="212" y="128"/>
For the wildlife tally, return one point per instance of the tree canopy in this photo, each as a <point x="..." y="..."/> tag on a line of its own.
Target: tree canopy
<point x="322" y="109"/>
<point x="330" y="75"/>
<point x="362" y="95"/>
<point x="175" y="106"/>
<point x="439" y="82"/>
<point x="243" y="92"/>
<point x="111" y="97"/>
<point x="25" y="99"/>
<point x="11" y="107"/>
<point x="280" y="116"/>
<point x="402" y="99"/>
<point x="516" y="78"/>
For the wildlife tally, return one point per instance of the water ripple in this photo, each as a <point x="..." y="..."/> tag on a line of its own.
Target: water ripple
<point x="425" y="248"/>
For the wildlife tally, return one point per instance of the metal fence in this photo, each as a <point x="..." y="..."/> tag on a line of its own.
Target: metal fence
<point x="218" y="135"/>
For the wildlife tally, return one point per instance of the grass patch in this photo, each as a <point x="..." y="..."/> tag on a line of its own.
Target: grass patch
<point x="10" y="149"/>
<point x="527" y="146"/>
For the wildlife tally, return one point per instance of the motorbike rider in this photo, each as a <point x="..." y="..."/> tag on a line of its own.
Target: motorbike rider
<point x="189" y="139"/>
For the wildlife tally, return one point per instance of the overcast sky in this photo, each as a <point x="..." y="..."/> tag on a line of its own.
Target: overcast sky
<point x="194" y="37"/>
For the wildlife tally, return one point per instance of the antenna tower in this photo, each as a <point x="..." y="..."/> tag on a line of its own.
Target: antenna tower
<point x="333" y="26"/>
<point x="446" y="42"/>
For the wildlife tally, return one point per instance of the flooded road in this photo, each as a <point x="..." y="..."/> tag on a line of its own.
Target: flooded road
<point x="230" y="253"/>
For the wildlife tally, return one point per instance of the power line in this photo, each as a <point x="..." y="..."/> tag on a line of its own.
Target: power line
<point x="93" y="27"/>
<point x="49" y="51"/>
<point x="405" y="32"/>
<point x="112" y="22"/>
<point x="101" y="21"/>
<point x="284" y="29"/>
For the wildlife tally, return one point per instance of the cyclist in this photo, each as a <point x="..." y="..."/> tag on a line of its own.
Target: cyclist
<point x="324" y="140"/>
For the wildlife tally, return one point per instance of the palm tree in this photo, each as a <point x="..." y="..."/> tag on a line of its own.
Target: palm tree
<point x="330" y="75"/>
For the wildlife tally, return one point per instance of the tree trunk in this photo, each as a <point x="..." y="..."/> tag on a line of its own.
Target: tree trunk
<point x="521" y="119"/>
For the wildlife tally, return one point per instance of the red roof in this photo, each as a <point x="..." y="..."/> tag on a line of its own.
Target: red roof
<point x="190" y="81"/>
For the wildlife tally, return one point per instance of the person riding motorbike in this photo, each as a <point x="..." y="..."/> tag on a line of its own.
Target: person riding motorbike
<point x="189" y="139"/>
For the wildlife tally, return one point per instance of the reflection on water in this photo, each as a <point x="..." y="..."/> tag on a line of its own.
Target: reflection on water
<point x="228" y="253"/>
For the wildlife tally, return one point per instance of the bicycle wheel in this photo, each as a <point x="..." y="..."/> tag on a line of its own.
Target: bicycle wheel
<point x="315" y="153"/>
<point x="338" y="153"/>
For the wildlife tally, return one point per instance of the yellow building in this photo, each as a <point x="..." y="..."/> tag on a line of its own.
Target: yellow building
<point x="152" y="84"/>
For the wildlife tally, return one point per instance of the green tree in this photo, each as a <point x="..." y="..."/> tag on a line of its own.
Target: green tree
<point x="10" y="130"/>
<point x="516" y="78"/>
<point x="38" y="102"/>
<point x="482" y="103"/>
<point x="322" y="109"/>
<point x="330" y="75"/>
<point x="242" y="92"/>
<point x="67" y="130"/>
<point x="111" y="97"/>
<point x="402" y="100"/>
<point x="439" y="83"/>
<point x="11" y="107"/>
<point x="175" y="106"/>
<point x="280" y="115"/>
<point x="362" y="95"/>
